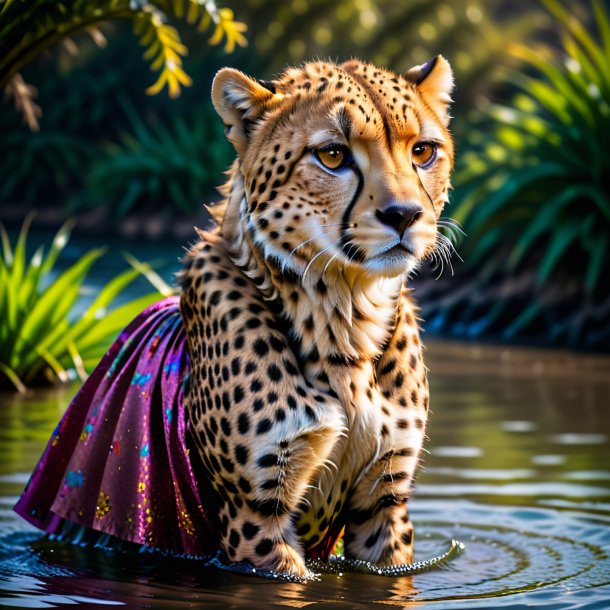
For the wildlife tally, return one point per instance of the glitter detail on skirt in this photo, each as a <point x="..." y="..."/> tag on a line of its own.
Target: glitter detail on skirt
<point x="118" y="462"/>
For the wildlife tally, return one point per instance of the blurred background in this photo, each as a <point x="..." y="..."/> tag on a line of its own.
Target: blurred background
<point x="107" y="121"/>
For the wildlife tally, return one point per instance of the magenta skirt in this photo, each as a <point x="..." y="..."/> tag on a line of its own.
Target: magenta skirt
<point x="119" y="463"/>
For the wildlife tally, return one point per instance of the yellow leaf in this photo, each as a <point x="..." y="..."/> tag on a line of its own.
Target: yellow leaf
<point x="179" y="8"/>
<point x="182" y="76"/>
<point x="158" y="85"/>
<point x="179" y="48"/>
<point x="149" y="34"/>
<point x="153" y="50"/>
<point x="169" y="33"/>
<point x="158" y="63"/>
<point x="226" y="14"/>
<point x="193" y="12"/>
<point x="172" y="58"/>
<point x="204" y="23"/>
<point x="173" y="84"/>
<point x="216" y="37"/>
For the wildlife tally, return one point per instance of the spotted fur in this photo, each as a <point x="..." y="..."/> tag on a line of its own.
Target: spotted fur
<point x="309" y="398"/>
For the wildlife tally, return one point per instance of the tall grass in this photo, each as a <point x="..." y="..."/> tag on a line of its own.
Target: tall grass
<point x="40" y="341"/>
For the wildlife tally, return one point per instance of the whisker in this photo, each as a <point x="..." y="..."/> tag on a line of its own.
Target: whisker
<point x="330" y="260"/>
<point x="322" y="234"/>
<point x="442" y="253"/>
<point x="451" y="221"/>
<point x="351" y="256"/>
<point x="452" y="226"/>
<point x="316" y="256"/>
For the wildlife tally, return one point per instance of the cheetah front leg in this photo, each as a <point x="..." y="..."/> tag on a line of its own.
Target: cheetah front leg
<point x="262" y="431"/>
<point x="261" y="531"/>
<point x="379" y="528"/>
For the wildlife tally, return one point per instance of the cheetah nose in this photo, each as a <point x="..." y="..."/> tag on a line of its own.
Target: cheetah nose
<point x="400" y="216"/>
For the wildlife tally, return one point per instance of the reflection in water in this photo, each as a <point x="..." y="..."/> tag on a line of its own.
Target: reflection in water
<point x="517" y="470"/>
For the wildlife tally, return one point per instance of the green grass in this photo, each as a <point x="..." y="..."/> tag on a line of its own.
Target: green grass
<point x="40" y="342"/>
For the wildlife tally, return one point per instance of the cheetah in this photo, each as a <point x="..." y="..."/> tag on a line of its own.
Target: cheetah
<point x="308" y="396"/>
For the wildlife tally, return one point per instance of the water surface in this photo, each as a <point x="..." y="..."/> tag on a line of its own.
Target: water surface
<point x="518" y="469"/>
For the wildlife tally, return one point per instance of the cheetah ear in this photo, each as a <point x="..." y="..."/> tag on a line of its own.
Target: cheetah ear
<point x="240" y="101"/>
<point x="434" y="80"/>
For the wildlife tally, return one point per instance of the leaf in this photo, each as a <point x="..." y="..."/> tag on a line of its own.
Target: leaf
<point x="544" y="221"/>
<point x="602" y="18"/>
<point x="77" y="361"/>
<point x="510" y="189"/>
<point x="59" y="242"/>
<point x="55" y="300"/>
<point x="12" y="376"/>
<point x="60" y="338"/>
<point x="150" y="274"/>
<point x="577" y="30"/>
<point x="29" y="283"/>
<point x="7" y="253"/>
<point x="598" y="252"/>
<point x="115" y="321"/>
<point x="53" y="363"/>
<point x="559" y="244"/>
<point x="523" y="319"/>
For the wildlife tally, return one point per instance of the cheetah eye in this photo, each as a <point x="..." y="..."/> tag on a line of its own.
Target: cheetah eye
<point x="424" y="154"/>
<point x="334" y="157"/>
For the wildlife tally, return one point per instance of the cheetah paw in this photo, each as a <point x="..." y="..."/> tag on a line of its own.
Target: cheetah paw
<point x="287" y="560"/>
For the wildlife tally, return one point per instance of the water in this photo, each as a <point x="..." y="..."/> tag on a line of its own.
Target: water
<point x="518" y="469"/>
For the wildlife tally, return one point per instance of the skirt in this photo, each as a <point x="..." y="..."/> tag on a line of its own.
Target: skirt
<point x="119" y="462"/>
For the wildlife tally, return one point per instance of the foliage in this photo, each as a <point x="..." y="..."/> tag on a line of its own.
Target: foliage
<point x="473" y="35"/>
<point x="85" y="119"/>
<point x="156" y="165"/>
<point x="82" y="99"/>
<point x="535" y="182"/>
<point x="39" y="340"/>
<point x="29" y="27"/>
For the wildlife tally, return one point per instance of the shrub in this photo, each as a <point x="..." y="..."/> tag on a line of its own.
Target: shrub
<point x="534" y="188"/>
<point x="39" y="340"/>
<point x="157" y="164"/>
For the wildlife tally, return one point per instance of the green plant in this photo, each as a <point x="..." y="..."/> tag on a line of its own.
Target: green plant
<point x="473" y="35"/>
<point x="39" y="340"/>
<point x="42" y="164"/>
<point x="27" y="28"/>
<point x="156" y="165"/>
<point x="534" y="185"/>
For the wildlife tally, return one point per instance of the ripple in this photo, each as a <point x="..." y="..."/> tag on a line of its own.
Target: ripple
<point x="578" y="439"/>
<point x="532" y="549"/>
<point x="515" y="557"/>
<point x="457" y="452"/>
<point x="557" y="489"/>
<point x="494" y="474"/>
<point x="548" y="460"/>
<point x="518" y="426"/>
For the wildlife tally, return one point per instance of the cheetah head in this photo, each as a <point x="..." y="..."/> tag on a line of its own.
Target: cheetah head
<point x="344" y="167"/>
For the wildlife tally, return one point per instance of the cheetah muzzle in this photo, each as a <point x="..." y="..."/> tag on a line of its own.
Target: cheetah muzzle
<point x="308" y="395"/>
